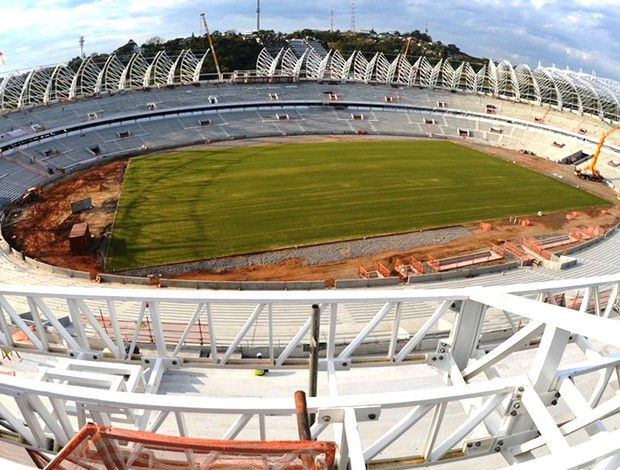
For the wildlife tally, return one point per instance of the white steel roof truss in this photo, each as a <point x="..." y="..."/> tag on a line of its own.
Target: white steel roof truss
<point x="471" y="82"/>
<point x="337" y="65"/>
<point x="85" y="81"/>
<point x="289" y="62"/>
<point x="173" y="76"/>
<point x="111" y="74"/>
<point x="35" y="87"/>
<point x="274" y="64"/>
<point x="299" y="65"/>
<point x="447" y="75"/>
<point x="458" y="80"/>
<point x="149" y="76"/>
<point x="263" y="63"/>
<point x="139" y="69"/>
<point x="11" y="90"/>
<point x="162" y="68"/>
<point x="528" y="86"/>
<point x="346" y="69"/>
<point x="187" y="69"/>
<point x="570" y="97"/>
<point x="435" y="73"/>
<point x="370" y="68"/>
<point x="493" y="79"/>
<point x="404" y="71"/>
<point x="59" y="85"/>
<point x="313" y="64"/>
<point x="323" y="65"/>
<point x="549" y="92"/>
<point x="359" y="69"/>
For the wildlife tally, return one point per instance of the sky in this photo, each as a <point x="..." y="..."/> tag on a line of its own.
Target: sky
<point x="580" y="35"/>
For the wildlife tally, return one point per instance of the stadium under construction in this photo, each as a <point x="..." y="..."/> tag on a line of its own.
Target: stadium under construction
<point x="517" y="367"/>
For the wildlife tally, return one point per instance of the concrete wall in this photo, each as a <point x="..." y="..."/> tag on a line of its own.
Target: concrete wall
<point x="587" y="244"/>
<point x="471" y="272"/>
<point x="242" y="285"/>
<point x="141" y="281"/>
<point x="33" y="263"/>
<point x="360" y="283"/>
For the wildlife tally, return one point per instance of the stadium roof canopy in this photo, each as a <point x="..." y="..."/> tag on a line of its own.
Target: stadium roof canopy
<point x="545" y="86"/>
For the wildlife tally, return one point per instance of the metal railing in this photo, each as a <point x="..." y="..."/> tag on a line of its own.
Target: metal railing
<point x="498" y="361"/>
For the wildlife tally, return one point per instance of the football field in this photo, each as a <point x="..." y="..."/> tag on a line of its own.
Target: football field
<point x="186" y="206"/>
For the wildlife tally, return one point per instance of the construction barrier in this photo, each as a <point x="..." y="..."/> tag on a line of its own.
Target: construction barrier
<point x="536" y="246"/>
<point x="379" y="272"/>
<point x="433" y="263"/>
<point x="382" y="270"/>
<point x="517" y="252"/>
<point x="456" y="262"/>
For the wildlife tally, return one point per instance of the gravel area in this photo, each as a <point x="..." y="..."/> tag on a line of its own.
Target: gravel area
<point x="318" y="254"/>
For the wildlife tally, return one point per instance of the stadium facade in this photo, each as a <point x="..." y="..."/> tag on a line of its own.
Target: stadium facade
<point x="512" y="368"/>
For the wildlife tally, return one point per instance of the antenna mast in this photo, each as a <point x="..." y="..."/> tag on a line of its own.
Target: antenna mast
<point x="257" y="15"/>
<point x="352" y="16"/>
<point x="81" y="47"/>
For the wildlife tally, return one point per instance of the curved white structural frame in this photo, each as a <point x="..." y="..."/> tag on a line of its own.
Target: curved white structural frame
<point x="562" y="89"/>
<point x="452" y="336"/>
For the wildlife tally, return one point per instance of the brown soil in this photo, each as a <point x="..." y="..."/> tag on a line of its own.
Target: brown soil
<point x="41" y="229"/>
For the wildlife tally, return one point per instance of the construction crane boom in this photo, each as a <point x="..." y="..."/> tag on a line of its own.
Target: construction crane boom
<point x="404" y="56"/>
<point x="590" y="172"/>
<point x="217" y="64"/>
<point x="409" y="39"/>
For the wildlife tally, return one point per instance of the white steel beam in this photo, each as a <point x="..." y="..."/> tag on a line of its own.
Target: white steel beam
<point x="512" y="344"/>
<point x="467" y="427"/>
<point x="433" y="430"/>
<point x="396" y="431"/>
<point x="465" y="331"/>
<point x="548" y="356"/>
<point x="237" y="426"/>
<point x="421" y="333"/>
<point x="243" y="331"/>
<point x="578" y="404"/>
<point x="354" y="441"/>
<point x="552" y="315"/>
<point x="545" y="424"/>
<point x="357" y="341"/>
<point x="578" y="456"/>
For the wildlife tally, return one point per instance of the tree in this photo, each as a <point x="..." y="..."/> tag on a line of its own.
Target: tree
<point x="152" y="46"/>
<point x="239" y="52"/>
<point x="127" y="50"/>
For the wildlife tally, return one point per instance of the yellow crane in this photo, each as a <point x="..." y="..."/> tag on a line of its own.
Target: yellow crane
<point x="217" y="64"/>
<point x="590" y="172"/>
<point x="404" y="56"/>
<point x="409" y="39"/>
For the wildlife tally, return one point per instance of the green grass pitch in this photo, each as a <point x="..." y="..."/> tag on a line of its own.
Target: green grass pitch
<point x="202" y="204"/>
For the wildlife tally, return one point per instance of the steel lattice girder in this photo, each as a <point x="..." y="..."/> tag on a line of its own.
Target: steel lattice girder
<point x="510" y="413"/>
<point x="563" y="89"/>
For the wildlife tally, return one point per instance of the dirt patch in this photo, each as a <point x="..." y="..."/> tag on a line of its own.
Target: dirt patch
<point x="41" y="229"/>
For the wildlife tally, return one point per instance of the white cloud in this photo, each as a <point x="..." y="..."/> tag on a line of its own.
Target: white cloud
<point x="538" y="4"/>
